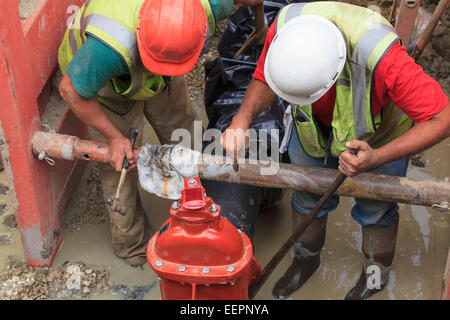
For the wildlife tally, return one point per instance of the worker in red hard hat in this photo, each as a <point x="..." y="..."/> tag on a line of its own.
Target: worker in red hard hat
<point x="124" y="59"/>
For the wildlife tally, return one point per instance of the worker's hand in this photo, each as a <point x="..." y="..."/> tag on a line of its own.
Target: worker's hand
<point x="247" y="3"/>
<point x="119" y="148"/>
<point x="361" y="157"/>
<point x="135" y="156"/>
<point x="235" y="140"/>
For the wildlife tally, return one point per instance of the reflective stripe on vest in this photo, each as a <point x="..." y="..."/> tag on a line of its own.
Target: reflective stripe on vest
<point x="127" y="39"/>
<point x="123" y="36"/>
<point x="82" y="23"/>
<point x="360" y="57"/>
<point x="210" y="16"/>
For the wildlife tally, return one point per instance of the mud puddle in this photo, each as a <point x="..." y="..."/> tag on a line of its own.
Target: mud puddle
<point x="421" y="251"/>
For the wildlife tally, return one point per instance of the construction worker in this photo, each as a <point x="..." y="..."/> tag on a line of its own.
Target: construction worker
<point x="354" y="94"/>
<point x="124" y="59"/>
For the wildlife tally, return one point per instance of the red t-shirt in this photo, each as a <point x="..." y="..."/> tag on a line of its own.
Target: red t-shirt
<point x="397" y="76"/>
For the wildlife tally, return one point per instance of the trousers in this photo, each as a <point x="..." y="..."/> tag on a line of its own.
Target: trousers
<point x="171" y="110"/>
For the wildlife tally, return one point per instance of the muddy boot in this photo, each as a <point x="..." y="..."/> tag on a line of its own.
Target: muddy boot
<point x="379" y="250"/>
<point x="306" y="256"/>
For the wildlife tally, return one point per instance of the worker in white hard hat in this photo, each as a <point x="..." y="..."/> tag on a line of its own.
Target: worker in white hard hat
<point x="351" y="85"/>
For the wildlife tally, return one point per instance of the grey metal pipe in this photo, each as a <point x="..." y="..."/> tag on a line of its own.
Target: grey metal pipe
<point x="315" y="180"/>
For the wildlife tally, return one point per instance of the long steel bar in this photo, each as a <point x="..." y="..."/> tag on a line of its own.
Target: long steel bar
<point x="287" y="176"/>
<point x="426" y="36"/>
<point x="276" y="259"/>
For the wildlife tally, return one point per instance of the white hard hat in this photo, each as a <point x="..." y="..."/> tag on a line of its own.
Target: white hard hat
<point x="305" y="59"/>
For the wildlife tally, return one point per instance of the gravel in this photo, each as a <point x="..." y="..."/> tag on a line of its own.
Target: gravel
<point x="10" y="221"/>
<point x="93" y="208"/>
<point x="196" y="78"/>
<point x="19" y="281"/>
<point x="3" y="189"/>
<point x="71" y="280"/>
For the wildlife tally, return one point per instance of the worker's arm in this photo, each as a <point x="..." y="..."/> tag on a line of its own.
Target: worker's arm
<point x="91" y="68"/>
<point x="419" y="96"/>
<point x="420" y="137"/>
<point x="258" y="98"/>
<point x="90" y="112"/>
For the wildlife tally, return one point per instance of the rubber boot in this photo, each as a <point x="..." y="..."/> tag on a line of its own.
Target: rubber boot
<point x="306" y="256"/>
<point x="379" y="249"/>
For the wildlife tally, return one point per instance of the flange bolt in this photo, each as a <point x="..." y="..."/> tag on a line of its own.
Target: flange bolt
<point x="175" y="205"/>
<point x="205" y="270"/>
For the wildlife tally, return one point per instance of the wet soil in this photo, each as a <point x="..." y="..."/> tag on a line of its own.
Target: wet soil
<point x="90" y="206"/>
<point x="55" y="107"/>
<point x="10" y="241"/>
<point x="10" y="221"/>
<point x="3" y="189"/>
<point x="2" y="208"/>
<point x="435" y="59"/>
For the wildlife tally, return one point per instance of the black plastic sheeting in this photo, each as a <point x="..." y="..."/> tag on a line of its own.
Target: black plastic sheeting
<point x="240" y="26"/>
<point x="226" y="83"/>
<point x="227" y="79"/>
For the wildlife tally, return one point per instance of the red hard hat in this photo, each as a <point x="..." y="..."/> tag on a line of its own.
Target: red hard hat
<point x="170" y="35"/>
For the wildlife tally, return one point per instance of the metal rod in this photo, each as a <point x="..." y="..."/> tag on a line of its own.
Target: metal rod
<point x="287" y="176"/>
<point x="407" y="14"/>
<point x="426" y="36"/>
<point x="317" y="180"/>
<point x="273" y="263"/>
<point x="258" y="12"/>
<point x="258" y="35"/>
<point x="61" y="146"/>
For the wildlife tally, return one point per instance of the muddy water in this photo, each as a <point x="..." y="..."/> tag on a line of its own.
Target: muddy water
<point x="421" y="252"/>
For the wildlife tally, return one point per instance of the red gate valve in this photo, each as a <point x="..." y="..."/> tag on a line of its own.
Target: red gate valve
<point x="198" y="254"/>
